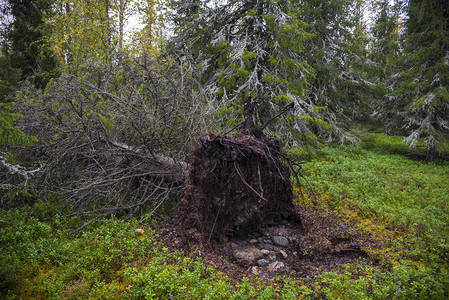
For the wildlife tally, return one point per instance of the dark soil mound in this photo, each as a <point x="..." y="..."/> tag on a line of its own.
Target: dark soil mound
<point x="236" y="185"/>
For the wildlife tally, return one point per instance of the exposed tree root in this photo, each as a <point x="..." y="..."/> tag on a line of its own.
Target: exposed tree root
<point x="236" y="185"/>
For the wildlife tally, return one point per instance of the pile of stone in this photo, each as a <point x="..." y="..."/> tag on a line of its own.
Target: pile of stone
<point x="263" y="252"/>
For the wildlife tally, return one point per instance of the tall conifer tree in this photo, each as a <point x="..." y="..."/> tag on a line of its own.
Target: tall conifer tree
<point x="24" y="57"/>
<point x="385" y="53"/>
<point x="336" y="46"/>
<point x="421" y="98"/>
<point x="252" y="57"/>
<point x="23" y="42"/>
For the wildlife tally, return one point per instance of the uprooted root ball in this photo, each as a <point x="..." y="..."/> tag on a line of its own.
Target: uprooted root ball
<point x="235" y="186"/>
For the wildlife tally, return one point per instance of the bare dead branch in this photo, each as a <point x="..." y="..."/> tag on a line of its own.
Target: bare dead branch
<point x="116" y="149"/>
<point x="246" y="183"/>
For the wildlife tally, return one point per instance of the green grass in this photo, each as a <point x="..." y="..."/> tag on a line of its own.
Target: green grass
<point x="385" y="187"/>
<point x="385" y="144"/>
<point x="401" y="203"/>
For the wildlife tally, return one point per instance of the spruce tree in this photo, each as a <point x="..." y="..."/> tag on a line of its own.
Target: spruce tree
<point x="336" y="47"/>
<point x="9" y="78"/>
<point x="386" y="37"/>
<point x="421" y="102"/>
<point x="23" y="42"/>
<point x="385" y="52"/>
<point x="23" y="57"/>
<point x="252" y="58"/>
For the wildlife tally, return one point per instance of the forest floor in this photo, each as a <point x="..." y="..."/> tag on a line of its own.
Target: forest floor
<point x="321" y="243"/>
<point x="374" y="225"/>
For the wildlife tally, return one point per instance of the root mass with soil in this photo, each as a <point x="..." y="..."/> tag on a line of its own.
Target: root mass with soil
<point x="236" y="185"/>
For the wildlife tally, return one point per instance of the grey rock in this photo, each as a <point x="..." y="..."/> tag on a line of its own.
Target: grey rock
<point x="247" y="256"/>
<point x="256" y="252"/>
<point x="269" y="247"/>
<point x="276" y="266"/>
<point x="242" y="257"/>
<point x="280" y="241"/>
<point x="262" y="262"/>
<point x="265" y="251"/>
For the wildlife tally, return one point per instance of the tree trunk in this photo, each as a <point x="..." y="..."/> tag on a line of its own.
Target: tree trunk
<point x="121" y="24"/>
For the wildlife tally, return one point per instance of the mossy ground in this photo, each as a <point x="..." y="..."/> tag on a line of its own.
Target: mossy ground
<point x="399" y="203"/>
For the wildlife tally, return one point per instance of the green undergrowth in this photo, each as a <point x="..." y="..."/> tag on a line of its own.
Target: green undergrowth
<point x="389" y="189"/>
<point x="401" y="204"/>
<point x="386" y="144"/>
<point x="111" y="261"/>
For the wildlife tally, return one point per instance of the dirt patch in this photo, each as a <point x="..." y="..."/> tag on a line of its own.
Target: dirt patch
<point x="320" y="244"/>
<point x="309" y="250"/>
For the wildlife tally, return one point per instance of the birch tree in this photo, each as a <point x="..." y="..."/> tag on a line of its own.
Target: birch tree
<point x="147" y="39"/>
<point x="84" y="32"/>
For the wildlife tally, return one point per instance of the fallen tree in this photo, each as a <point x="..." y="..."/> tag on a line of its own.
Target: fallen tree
<point x="124" y="153"/>
<point x="108" y="148"/>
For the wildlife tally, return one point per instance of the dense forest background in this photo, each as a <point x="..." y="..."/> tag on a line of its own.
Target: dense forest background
<point x="101" y="103"/>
